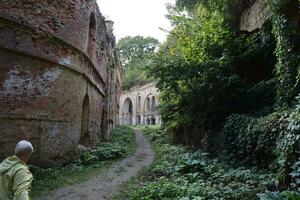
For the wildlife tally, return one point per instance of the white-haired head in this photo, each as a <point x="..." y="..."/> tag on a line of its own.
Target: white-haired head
<point x="23" y="147"/>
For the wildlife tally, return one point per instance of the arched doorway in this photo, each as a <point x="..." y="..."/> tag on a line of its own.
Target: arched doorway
<point x="148" y="121"/>
<point x="127" y="112"/>
<point x="153" y="121"/>
<point x="85" y="122"/>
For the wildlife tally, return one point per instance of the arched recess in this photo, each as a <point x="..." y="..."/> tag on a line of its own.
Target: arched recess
<point x="85" y="122"/>
<point x="153" y="122"/>
<point x="138" y="120"/>
<point x="153" y="104"/>
<point x="148" y="121"/>
<point x="92" y="35"/>
<point x="127" y="112"/>
<point x="147" y="105"/>
<point x="139" y="102"/>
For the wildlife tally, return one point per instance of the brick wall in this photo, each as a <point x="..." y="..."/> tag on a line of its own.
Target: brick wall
<point x="46" y="70"/>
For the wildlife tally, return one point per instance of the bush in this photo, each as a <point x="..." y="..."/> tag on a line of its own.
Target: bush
<point x="253" y="139"/>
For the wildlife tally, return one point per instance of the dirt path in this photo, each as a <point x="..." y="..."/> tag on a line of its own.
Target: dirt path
<point x="106" y="185"/>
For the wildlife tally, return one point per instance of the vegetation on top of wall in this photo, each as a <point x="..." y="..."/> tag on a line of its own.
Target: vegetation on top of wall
<point x="92" y="161"/>
<point x="136" y="55"/>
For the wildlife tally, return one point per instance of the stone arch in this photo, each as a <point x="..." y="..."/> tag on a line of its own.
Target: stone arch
<point x="85" y="121"/>
<point x="153" y="121"/>
<point x="127" y="113"/>
<point x="148" y="121"/>
<point x="148" y="108"/>
<point x="147" y="104"/>
<point x="139" y="102"/>
<point x="92" y="35"/>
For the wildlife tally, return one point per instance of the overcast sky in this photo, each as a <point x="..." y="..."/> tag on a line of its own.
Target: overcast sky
<point x="137" y="17"/>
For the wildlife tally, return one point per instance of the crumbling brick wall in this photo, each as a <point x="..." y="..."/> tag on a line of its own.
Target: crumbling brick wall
<point x="53" y="54"/>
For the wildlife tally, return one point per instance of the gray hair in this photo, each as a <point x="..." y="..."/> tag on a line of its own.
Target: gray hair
<point x="23" y="147"/>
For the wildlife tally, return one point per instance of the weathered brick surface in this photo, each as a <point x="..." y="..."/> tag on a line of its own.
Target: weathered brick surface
<point x="47" y="68"/>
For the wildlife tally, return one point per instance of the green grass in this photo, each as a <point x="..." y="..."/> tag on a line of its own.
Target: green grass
<point x="92" y="163"/>
<point x="148" y="126"/>
<point x="180" y="174"/>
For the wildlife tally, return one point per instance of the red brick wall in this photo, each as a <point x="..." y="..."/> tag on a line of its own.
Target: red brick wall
<point x="45" y="72"/>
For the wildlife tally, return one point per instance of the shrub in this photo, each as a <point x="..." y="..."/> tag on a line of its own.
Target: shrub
<point x="253" y="139"/>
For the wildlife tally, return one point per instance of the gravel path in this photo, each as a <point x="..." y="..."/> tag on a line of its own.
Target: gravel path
<point x="106" y="185"/>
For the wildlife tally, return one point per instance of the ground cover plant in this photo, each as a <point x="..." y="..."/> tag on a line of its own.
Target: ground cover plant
<point x="92" y="162"/>
<point x="180" y="173"/>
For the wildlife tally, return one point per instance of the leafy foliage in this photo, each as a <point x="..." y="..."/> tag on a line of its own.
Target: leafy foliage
<point x="252" y="139"/>
<point x="206" y="72"/>
<point x="287" y="195"/>
<point x="286" y="52"/>
<point x="134" y="49"/>
<point x="119" y="145"/>
<point x="192" y="67"/>
<point x="136" y="53"/>
<point x="178" y="173"/>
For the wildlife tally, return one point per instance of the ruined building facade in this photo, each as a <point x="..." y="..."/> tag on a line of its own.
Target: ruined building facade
<point x="59" y="77"/>
<point x="140" y="105"/>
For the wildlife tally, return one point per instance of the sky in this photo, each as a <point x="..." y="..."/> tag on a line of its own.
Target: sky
<point x="137" y="17"/>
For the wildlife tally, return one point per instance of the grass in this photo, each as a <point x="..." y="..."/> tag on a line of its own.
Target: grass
<point x="92" y="163"/>
<point x="152" y="127"/>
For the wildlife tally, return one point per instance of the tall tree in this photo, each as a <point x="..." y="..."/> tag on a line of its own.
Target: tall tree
<point x="136" y="49"/>
<point x="136" y="54"/>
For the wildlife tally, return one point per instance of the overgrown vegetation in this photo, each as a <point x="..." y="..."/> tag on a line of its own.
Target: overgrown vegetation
<point x="179" y="173"/>
<point x="92" y="162"/>
<point x="233" y="92"/>
<point x="285" y="31"/>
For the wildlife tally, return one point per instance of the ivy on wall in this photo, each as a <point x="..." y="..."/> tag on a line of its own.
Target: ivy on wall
<point x="285" y="33"/>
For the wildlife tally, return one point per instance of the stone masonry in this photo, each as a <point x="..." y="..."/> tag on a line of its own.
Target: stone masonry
<point x="255" y="15"/>
<point x="258" y="12"/>
<point x="140" y="105"/>
<point x="59" y="77"/>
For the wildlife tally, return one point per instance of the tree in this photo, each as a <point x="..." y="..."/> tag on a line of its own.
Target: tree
<point x="136" y="54"/>
<point x="135" y="49"/>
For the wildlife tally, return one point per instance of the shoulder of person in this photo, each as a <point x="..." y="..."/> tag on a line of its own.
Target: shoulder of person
<point x="22" y="168"/>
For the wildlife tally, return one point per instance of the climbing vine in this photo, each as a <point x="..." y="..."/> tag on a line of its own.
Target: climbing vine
<point x="288" y="60"/>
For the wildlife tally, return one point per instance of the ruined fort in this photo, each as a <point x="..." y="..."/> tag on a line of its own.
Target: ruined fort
<point x="140" y="105"/>
<point x="59" y="77"/>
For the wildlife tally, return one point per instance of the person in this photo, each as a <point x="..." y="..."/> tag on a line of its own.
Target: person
<point x="15" y="177"/>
